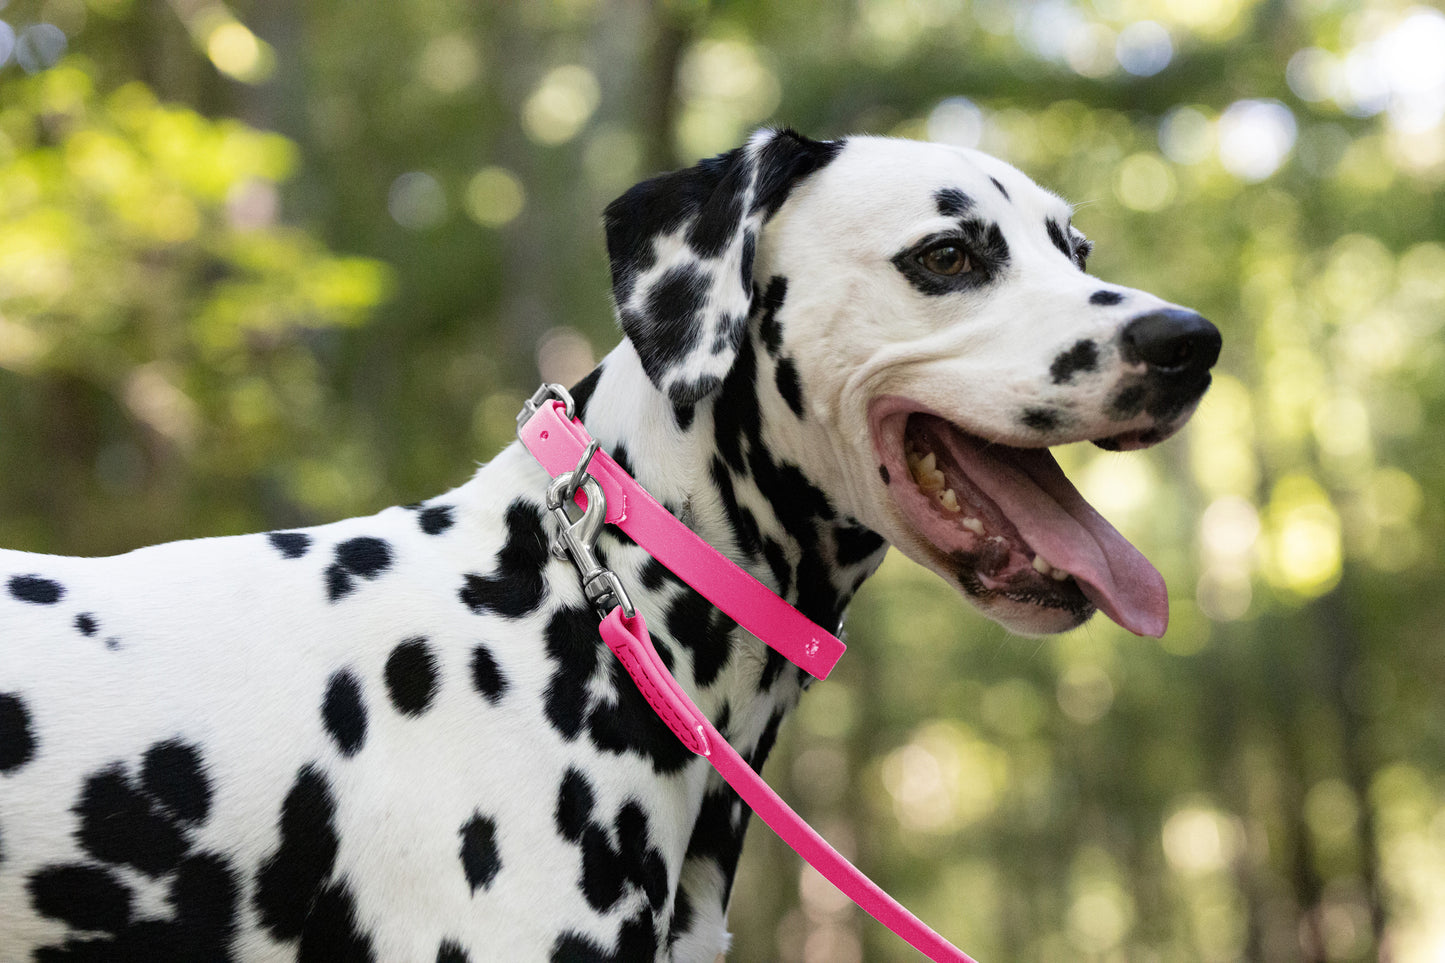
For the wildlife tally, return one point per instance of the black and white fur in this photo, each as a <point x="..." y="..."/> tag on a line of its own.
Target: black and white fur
<point x="399" y="738"/>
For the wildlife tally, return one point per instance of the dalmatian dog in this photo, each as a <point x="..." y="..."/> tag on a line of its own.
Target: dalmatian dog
<point x="400" y="738"/>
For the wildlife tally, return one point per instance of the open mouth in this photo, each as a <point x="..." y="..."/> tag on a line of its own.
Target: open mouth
<point x="1009" y="525"/>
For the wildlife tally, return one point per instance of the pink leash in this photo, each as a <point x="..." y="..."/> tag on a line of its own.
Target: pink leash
<point x="591" y="477"/>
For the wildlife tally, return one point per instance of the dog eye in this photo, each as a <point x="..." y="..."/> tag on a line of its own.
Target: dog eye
<point x="946" y="259"/>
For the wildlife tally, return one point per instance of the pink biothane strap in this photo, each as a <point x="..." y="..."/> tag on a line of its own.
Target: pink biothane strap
<point x="629" y="641"/>
<point x="557" y="442"/>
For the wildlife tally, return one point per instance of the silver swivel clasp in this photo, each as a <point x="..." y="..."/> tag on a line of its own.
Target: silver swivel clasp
<point x="578" y="536"/>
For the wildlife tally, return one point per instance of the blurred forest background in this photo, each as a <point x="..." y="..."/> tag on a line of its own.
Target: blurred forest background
<point x="265" y="264"/>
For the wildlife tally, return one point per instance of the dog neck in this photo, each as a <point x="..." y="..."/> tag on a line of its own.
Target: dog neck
<point x="717" y="467"/>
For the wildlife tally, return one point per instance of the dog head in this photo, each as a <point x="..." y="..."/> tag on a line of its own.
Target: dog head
<point x="924" y="314"/>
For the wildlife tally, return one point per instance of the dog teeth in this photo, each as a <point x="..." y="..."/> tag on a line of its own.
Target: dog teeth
<point x="931" y="481"/>
<point x="1042" y="566"/>
<point x="926" y="473"/>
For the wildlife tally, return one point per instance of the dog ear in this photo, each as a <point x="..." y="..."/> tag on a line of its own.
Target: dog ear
<point x="681" y="247"/>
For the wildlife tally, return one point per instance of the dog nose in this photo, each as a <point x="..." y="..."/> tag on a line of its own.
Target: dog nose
<point x="1173" y="342"/>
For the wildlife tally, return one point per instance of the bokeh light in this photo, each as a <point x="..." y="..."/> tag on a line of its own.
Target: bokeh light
<point x="560" y="106"/>
<point x="957" y="121"/>
<point x="494" y="197"/>
<point x="39" y="46"/>
<point x="416" y="201"/>
<point x="1255" y="137"/>
<point x="7" y="42"/>
<point x="1144" y="48"/>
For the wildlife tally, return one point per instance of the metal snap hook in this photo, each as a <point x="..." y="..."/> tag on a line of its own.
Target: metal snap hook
<point x="578" y="537"/>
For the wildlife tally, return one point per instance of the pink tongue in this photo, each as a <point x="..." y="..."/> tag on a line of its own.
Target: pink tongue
<point x="1032" y="491"/>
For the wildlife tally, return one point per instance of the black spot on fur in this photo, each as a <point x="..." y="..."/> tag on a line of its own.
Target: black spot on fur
<point x="608" y="871"/>
<point x="338" y="582"/>
<point x="202" y="896"/>
<point x="856" y="544"/>
<point x="602" y="877"/>
<point x="290" y="544"/>
<point x="411" y="676"/>
<point x="773" y="667"/>
<point x="642" y="863"/>
<point x="678" y="297"/>
<point x="777" y="558"/>
<point x="952" y="202"/>
<point x="436" y="519"/>
<point x="487" y="676"/>
<point x="344" y="713"/>
<point x="331" y="933"/>
<point x="630" y="725"/>
<point x="583" y="390"/>
<point x="1040" y="419"/>
<point x="86" y="624"/>
<point x="452" y="952"/>
<point x="292" y="877"/>
<point x="572" y="643"/>
<point x="769" y="329"/>
<point x="517" y="586"/>
<point x="1083" y="356"/>
<point x="637" y="940"/>
<point x="694" y="623"/>
<point x="624" y="460"/>
<point x="480" y="859"/>
<point x="736" y="417"/>
<point x="683" y="414"/>
<point x="120" y="824"/>
<point x="364" y="556"/>
<point x="682" y="916"/>
<point x="883" y="474"/>
<point x="669" y="326"/>
<point x="744" y="524"/>
<point x="171" y="772"/>
<point x="1000" y="187"/>
<point x="750" y="248"/>
<point x="789" y="386"/>
<point x="575" y="800"/>
<point x="17" y="740"/>
<point x="37" y="590"/>
<point x="766" y="741"/>
<point x="1105" y="297"/>
<point x="85" y="897"/>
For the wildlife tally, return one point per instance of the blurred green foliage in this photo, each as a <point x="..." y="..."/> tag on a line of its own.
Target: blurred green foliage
<point x="273" y="263"/>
